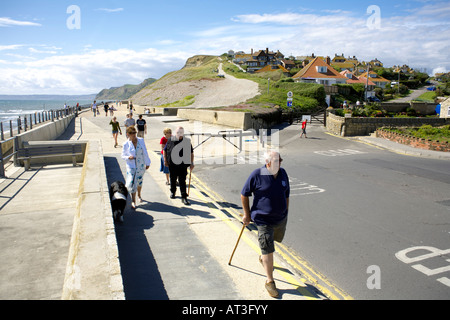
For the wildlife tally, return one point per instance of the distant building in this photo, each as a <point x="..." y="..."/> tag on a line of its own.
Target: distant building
<point x="321" y="72"/>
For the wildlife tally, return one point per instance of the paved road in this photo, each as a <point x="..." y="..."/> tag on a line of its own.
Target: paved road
<point x="354" y="207"/>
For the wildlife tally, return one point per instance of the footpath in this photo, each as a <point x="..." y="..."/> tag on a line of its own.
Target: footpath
<point x="167" y="251"/>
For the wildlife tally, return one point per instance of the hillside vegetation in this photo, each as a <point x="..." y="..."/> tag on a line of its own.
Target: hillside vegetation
<point x="124" y="92"/>
<point x="177" y="85"/>
<point x="197" y="85"/>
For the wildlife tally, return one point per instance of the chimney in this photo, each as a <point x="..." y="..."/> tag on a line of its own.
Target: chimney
<point x="252" y="51"/>
<point x="313" y="55"/>
<point x="267" y="51"/>
<point x="328" y="61"/>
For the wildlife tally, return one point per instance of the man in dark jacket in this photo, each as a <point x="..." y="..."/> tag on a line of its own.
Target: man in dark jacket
<point x="178" y="156"/>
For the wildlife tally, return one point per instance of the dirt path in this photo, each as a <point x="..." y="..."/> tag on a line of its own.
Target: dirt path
<point x="229" y="91"/>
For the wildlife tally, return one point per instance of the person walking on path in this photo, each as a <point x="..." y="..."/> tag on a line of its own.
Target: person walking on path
<point x="164" y="169"/>
<point x="270" y="188"/>
<point x="115" y="129"/>
<point x="94" y="108"/>
<point x="304" y="123"/>
<point x="141" y="125"/>
<point x="135" y="154"/>
<point x="129" y="121"/>
<point x="178" y="156"/>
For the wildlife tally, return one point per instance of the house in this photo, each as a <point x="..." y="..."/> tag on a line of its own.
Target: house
<point x="288" y="64"/>
<point x="376" y="63"/>
<point x="352" y="79"/>
<point x="344" y="63"/>
<point x="321" y="72"/>
<point x="375" y="78"/>
<point x="271" y="68"/>
<point x="259" y="59"/>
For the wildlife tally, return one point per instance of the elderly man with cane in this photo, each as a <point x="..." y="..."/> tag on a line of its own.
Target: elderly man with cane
<point x="178" y="156"/>
<point x="270" y="187"/>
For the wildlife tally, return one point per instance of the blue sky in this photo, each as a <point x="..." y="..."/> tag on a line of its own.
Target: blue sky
<point x="117" y="42"/>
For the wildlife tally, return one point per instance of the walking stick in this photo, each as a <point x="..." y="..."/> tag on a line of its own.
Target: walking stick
<point x="189" y="188"/>
<point x="235" y="247"/>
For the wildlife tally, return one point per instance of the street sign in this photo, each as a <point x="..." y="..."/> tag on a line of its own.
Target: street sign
<point x="289" y="103"/>
<point x="290" y="94"/>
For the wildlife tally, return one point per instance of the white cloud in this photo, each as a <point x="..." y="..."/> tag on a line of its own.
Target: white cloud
<point x="8" y="22"/>
<point x="419" y="39"/>
<point x="88" y="72"/>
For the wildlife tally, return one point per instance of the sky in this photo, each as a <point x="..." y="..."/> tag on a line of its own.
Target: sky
<point x="82" y="47"/>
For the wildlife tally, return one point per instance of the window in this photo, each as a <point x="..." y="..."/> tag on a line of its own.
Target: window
<point x="321" y="69"/>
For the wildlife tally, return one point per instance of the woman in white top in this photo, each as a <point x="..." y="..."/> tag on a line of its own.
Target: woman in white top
<point x="135" y="153"/>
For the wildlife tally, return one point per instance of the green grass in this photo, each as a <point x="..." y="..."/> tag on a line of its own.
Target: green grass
<point x="306" y="96"/>
<point x="186" y="101"/>
<point x="427" y="96"/>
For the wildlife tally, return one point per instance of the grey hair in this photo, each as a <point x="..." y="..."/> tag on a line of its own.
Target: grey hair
<point x="268" y="154"/>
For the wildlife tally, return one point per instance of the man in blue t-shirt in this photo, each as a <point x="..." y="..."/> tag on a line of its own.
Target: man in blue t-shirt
<point x="269" y="186"/>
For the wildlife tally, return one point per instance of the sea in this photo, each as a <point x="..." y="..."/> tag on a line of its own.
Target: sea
<point x="12" y="109"/>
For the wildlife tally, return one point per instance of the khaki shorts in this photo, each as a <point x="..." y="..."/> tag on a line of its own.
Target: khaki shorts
<point x="268" y="234"/>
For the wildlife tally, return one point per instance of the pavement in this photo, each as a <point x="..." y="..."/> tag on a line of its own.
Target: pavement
<point x="167" y="251"/>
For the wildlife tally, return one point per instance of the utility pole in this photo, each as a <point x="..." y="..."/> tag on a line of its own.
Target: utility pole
<point x="367" y="81"/>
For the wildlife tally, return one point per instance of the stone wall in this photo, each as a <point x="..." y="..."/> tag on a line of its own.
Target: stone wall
<point x="413" y="141"/>
<point x="365" y="126"/>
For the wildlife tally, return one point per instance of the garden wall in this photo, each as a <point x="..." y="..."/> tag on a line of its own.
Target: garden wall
<point x="365" y="126"/>
<point x="413" y="141"/>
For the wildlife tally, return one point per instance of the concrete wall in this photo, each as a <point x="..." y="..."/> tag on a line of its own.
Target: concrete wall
<point x="240" y="120"/>
<point x="365" y="126"/>
<point x="45" y="132"/>
<point x="93" y="268"/>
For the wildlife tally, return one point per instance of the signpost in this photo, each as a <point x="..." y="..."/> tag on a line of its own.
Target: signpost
<point x="289" y="99"/>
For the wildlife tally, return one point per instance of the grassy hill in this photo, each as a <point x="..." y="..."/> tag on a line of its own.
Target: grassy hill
<point x="175" y="86"/>
<point x="124" y="92"/>
<point x="181" y="88"/>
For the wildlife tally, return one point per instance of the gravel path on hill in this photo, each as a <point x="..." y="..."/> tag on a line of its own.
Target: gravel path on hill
<point x="226" y="92"/>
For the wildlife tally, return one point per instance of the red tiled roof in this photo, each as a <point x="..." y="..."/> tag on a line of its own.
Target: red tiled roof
<point x="310" y="71"/>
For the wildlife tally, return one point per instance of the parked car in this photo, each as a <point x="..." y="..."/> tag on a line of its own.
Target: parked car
<point x="431" y="88"/>
<point x="373" y="99"/>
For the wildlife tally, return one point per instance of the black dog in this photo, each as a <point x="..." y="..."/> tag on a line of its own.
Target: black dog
<point x="118" y="194"/>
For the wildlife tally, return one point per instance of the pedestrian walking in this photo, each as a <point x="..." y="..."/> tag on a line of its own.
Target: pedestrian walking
<point x="129" y="121"/>
<point x="304" y="123"/>
<point x="141" y="125"/>
<point x="178" y="156"/>
<point x="115" y="129"/>
<point x="135" y="154"/>
<point x="94" y="108"/>
<point x="163" y="168"/>
<point x="270" y="189"/>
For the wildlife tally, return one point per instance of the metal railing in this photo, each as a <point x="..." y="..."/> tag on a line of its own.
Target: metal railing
<point x="26" y="122"/>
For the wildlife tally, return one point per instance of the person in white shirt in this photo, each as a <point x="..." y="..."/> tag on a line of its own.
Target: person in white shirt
<point x="134" y="152"/>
